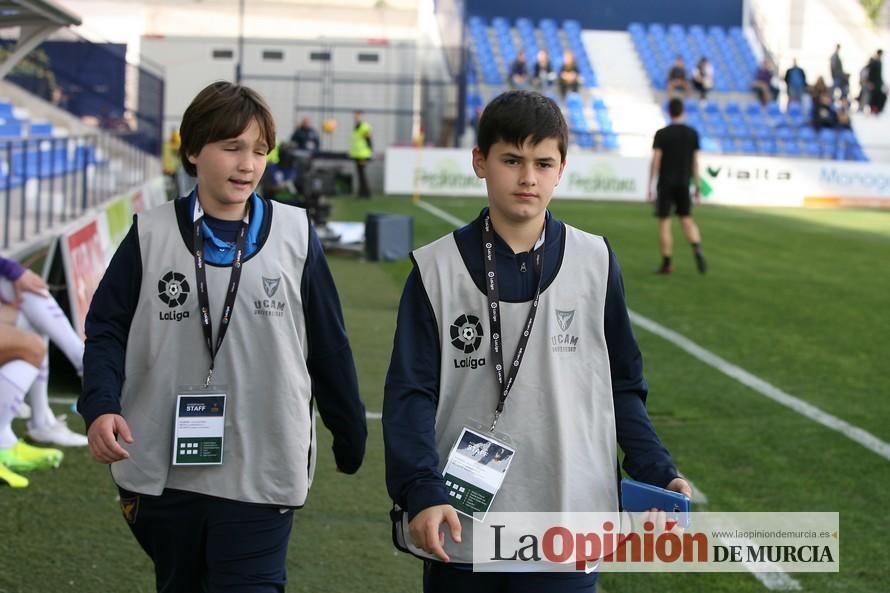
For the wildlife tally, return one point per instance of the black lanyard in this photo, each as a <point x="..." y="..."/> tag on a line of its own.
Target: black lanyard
<point x="203" y="299"/>
<point x="491" y="291"/>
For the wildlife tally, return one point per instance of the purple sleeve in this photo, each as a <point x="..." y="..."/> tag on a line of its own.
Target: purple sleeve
<point x="11" y="270"/>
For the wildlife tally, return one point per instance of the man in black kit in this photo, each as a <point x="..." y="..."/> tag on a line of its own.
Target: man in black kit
<point x="674" y="163"/>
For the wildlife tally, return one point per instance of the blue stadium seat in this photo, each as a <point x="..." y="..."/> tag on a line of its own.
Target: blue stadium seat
<point x="807" y="134"/>
<point x="753" y="109"/>
<point x="785" y="133"/>
<point x="828" y="135"/>
<point x="767" y="146"/>
<point x="11" y="129"/>
<point x="732" y="108"/>
<point x="728" y="145"/>
<point x="812" y="149"/>
<point x="747" y="146"/>
<point x="762" y="131"/>
<point x="789" y="148"/>
<point x="739" y="131"/>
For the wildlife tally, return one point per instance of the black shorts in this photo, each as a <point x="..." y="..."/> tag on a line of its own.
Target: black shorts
<point x="676" y="198"/>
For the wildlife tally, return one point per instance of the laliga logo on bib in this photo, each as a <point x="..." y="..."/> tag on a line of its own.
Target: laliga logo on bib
<point x="466" y="335"/>
<point x="173" y="291"/>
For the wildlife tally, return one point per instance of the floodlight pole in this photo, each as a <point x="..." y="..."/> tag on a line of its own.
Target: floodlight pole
<point x="240" y="42"/>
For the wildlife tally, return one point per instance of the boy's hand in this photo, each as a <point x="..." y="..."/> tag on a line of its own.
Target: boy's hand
<point x="424" y="529"/>
<point x="30" y="282"/>
<point x="103" y="438"/>
<point x="680" y="485"/>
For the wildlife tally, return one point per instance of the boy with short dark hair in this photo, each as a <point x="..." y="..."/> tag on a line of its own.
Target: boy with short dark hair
<point x="212" y="337"/>
<point x="504" y="292"/>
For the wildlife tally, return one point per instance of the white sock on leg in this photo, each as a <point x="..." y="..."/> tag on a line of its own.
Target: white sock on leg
<point x="38" y="397"/>
<point x="48" y="319"/>
<point x="16" y="378"/>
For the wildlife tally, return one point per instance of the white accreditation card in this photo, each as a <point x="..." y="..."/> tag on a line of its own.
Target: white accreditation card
<point x="475" y="470"/>
<point x="200" y="426"/>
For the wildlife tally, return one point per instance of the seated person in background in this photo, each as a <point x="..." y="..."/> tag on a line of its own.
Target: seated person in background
<point x="824" y="115"/>
<point x="702" y="78"/>
<point x="21" y="353"/>
<point x="544" y="76"/>
<point x="26" y="305"/>
<point x="677" y="80"/>
<point x="519" y="72"/>
<point x="795" y="82"/>
<point x="569" y="79"/>
<point x="818" y="89"/>
<point x="763" y="86"/>
<point x="843" y="115"/>
<point x="305" y="137"/>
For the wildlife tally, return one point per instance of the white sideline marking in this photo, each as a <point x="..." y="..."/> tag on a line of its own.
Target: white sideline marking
<point x="854" y="433"/>
<point x="775" y="581"/>
<point x="698" y="496"/>
<point x="438" y="212"/>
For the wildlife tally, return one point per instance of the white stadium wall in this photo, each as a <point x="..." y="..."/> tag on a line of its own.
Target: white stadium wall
<point x="294" y="78"/>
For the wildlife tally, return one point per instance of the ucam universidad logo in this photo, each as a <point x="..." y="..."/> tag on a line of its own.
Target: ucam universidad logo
<point x="270" y="307"/>
<point x="564" y="342"/>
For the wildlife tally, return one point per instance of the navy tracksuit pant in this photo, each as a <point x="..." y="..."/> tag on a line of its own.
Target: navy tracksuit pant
<point x="204" y="544"/>
<point x="439" y="577"/>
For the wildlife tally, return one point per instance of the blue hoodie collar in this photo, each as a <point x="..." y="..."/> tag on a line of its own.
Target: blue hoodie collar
<point x="224" y="253"/>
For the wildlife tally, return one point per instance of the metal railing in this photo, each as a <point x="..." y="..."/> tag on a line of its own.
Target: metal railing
<point x="47" y="182"/>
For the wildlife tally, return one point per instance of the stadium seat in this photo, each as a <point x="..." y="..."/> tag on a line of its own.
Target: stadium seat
<point x="747" y="146"/>
<point x="785" y="133"/>
<point x="767" y="146"/>
<point x="728" y="146"/>
<point x="789" y="148"/>
<point x="807" y="134"/>
<point x="11" y="129"/>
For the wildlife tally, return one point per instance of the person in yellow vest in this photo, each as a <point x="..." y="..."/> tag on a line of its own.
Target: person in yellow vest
<point x="170" y="157"/>
<point x="361" y="151"/>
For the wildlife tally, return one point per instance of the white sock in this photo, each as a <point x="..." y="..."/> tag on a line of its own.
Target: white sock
<point x="38" y="398"/>
<point x="16" y="378"/>
<point x="48" y="319"/>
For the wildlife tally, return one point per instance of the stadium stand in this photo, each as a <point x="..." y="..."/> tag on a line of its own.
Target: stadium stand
<point x="55" y="165"/>
<point x="493" y="48"/>
<point x="731" y="122"/>
<point x="724" y="124"/>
